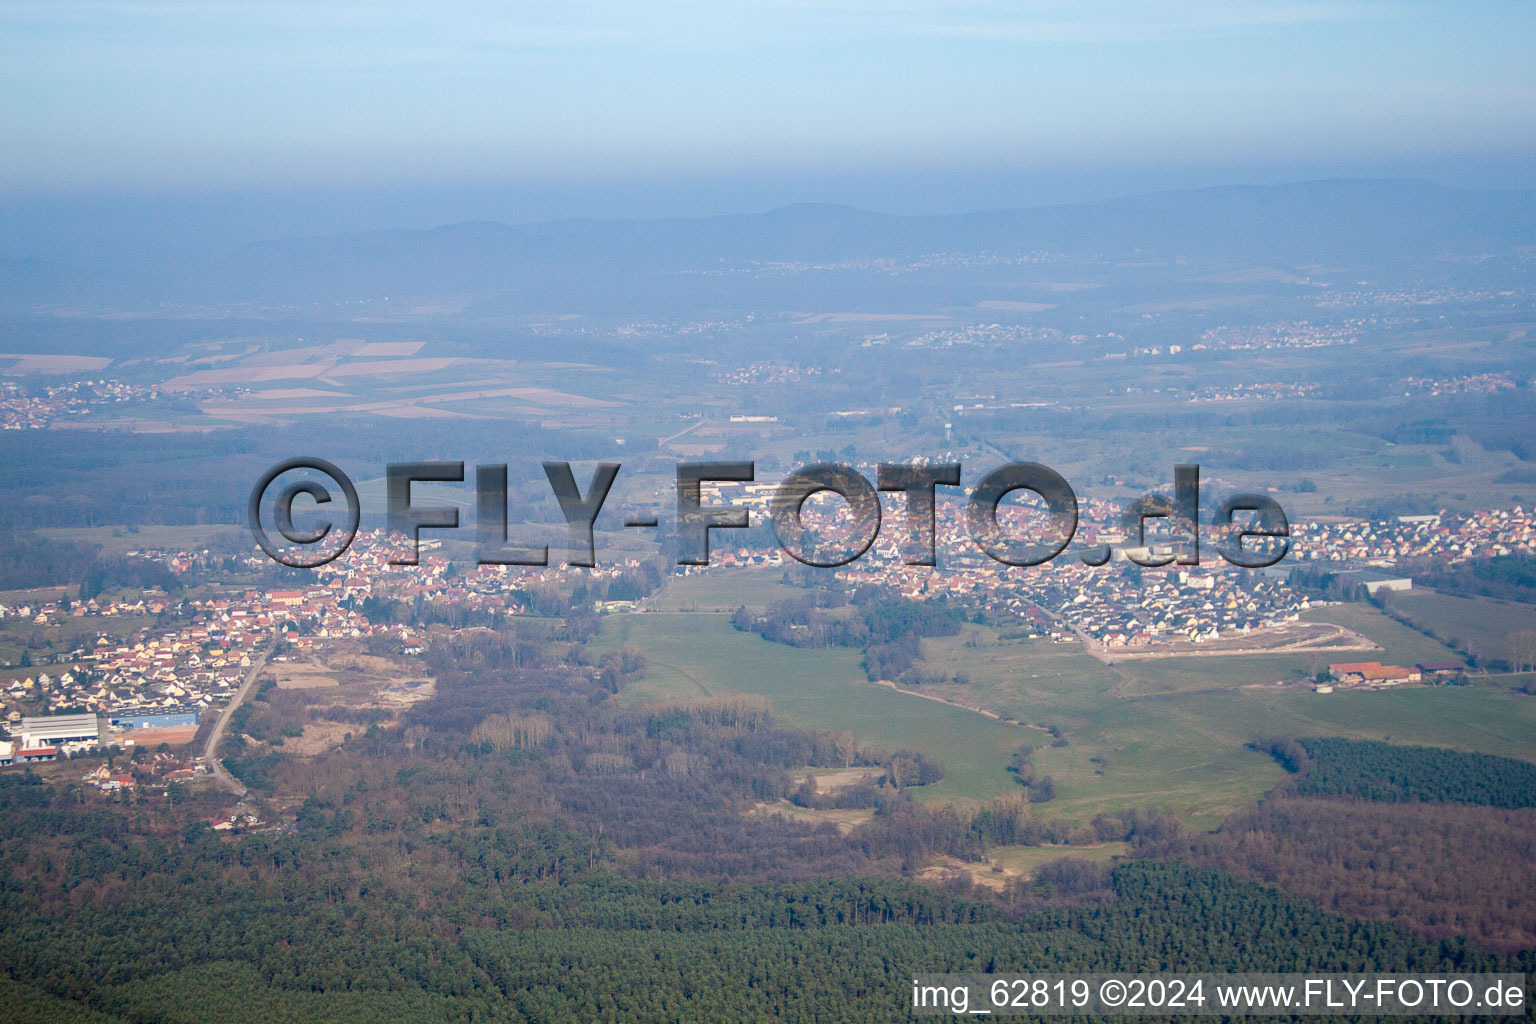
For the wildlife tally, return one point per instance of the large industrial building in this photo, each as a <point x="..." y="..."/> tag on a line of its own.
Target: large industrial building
<point x="154" y="718"/>
<point x="56" y="729"/>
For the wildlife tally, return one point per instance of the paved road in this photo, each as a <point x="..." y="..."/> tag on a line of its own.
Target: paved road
<point x="220" y="773"/>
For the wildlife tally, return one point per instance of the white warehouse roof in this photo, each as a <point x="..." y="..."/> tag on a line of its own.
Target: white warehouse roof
<point x="60" y="726"/>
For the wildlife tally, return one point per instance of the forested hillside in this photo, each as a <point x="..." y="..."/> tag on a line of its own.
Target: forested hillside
<point x="525" y="846"/>
<point x="193" y="942"/>
<point x="1433" y="840"/>
<point x="1438" y="869"/>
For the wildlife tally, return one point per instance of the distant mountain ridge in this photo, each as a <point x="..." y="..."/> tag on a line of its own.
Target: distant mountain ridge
<point x="1328" y="213"/>
<point x="553" y="264"/>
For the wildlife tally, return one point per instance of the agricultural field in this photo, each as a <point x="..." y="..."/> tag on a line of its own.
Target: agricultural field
<point x="725" y="591"/>
<point x="1172" y="732"/>
<point x="35" y="595"/>
<point x="1036" y="681"/>
<point x="1525" y="681"/>
<point x="1401" y="645"/>
<point x="1168" y="733"/>
<point x="188" y="537"/>
<point x="1172" y="755"/>
<point x="1478" y="625"/>
<point x="1186" y="752"/>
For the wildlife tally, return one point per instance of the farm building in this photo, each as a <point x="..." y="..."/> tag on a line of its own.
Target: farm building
<point x="1369" y="673"/>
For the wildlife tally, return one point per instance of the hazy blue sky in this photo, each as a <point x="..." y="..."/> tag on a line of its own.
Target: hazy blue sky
<point x="955" y="99"/>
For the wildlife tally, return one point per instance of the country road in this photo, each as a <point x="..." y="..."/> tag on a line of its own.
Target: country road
<point x="688" y="429"/>
<point x="956" y="704"/>
<point x="220" y="773"/>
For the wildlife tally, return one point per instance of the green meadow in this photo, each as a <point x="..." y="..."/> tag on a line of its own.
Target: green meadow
<point x="1167" y="733"/>
<point x="1476" y="624"/>
<point x="117" y="540"/>
<point x="692" y="655"/>
<point x="726" y="591"/>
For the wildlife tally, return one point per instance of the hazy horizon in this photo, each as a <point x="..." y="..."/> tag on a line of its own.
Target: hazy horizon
<point x="233" y="122"/>
<point x="68" y="226"/>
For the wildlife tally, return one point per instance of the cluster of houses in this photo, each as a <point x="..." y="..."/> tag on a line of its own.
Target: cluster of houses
<point x="1291" y="334"/>
<point x="1444" y="536"/>
<point x="197" y="661"/>
<point x="365" y="571"/>
<point x="983" y="336"/>
<point x="1116" y="605"/>
<point x="764" y="373"/>
<point x="1268" y="391"/>
<point x="1109" y="605"/>
<point x="162" y="768"/>
<point x="44" y="613"/>
<point x="1196" y="605"/>
<point x="1471" y="384"/>
<point x="202" y="655"/>
<point x="33" y="409"/>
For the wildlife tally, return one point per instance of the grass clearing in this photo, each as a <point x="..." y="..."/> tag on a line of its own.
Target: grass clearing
<point x="700" y="654"/>
<point x="1005" y="864"/>
<point x="1026" y="861"/>
<point x="845" y="820"/>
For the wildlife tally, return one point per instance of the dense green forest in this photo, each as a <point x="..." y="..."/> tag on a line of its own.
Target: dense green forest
<point x="1390" y="773"/>
<point x="193" y="930"/>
